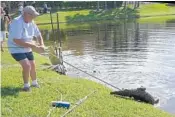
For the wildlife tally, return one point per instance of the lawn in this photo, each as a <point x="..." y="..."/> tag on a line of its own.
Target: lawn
<point x="156" y="19"/>
<point x="143" y="10"/>
<point x="157" y="13"/>
<point x="156" y="9"/>
<point x="36" y="103"/>
<point x="64" y="26"/>
<point x="62" y="16"/>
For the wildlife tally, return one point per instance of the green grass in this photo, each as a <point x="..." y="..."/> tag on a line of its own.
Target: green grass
<point x="62" y="16"/>
<point x="37" y="103"/>
<point x="158" y="13"/>
<point x="78" y="19"/>
<point x="156" y="9"/>
<point x="64" y="26"/>
<point x="83" y="15"/>
<point x="157" y="19"/>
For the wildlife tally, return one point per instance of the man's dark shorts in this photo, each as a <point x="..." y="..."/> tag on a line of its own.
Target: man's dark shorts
<point x="22" y="56"/>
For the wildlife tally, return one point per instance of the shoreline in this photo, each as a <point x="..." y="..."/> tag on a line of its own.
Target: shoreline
<point x="73" y="89"/>
<point x="131" y="18"/>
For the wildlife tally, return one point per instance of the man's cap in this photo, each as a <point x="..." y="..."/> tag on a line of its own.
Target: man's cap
<point x="30" y="10"/>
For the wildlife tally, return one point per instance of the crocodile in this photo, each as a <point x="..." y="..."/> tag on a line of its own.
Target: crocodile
<point x="138" y="94"/>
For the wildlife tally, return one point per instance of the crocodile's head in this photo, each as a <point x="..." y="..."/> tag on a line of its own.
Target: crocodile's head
<point x="141" y="88"/>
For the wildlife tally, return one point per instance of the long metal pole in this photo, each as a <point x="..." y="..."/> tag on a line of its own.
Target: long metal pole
<point x="77" y="104"/>
<point x="52" y="24"/>
<point x="53" y="32"/>
<point x="59" y="39"/>
<point x="92" y="75"/>
<point x="58" y="29"/>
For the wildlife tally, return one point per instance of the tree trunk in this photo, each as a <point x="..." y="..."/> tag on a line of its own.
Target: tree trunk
<point x="106" y="7"/>
<point x="138" y="4"/>
<point x="135" y="4"/>
<point x="114" y="4"/>
<point x="124" y="4"/>
<point x="9" y="6"/>
<point x="98" y="5"/>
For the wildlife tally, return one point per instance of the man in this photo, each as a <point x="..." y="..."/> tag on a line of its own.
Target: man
<point x="20" y="44"/>
<point x="6" y="10"/>
<point x="45" y="7"/>
<point x="24" y="3"/>
<point x="7" y="18"/>
<point x="20" y="9"/>
<point x="7" y="13"/>
<point x="34" y="4"/>
<point x="3" y="34"/>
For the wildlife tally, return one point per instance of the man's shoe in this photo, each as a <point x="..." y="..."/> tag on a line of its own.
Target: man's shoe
<point x="26" y="89"/>
<point x="36" y="85"/>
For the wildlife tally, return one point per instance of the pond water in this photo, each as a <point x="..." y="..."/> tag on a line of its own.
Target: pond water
<point x="125" y="54"/>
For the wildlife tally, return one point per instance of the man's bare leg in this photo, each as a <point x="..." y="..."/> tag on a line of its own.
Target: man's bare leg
<point x="26" y="72"/>
<point x="33" y="70"/>
<point x="2" y="50"/>
<point x="33" y="73"/>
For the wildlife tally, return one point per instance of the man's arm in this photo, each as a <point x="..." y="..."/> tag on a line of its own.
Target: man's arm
<point x="35" y="48"/>
<point x="40" y="39"/>
<point x="21" y="42"/>
<point x="38" y="36"/>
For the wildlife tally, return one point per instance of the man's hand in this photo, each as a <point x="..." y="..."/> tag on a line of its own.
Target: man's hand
<point x="39" y="49"/>
<point x="40" y="40"/>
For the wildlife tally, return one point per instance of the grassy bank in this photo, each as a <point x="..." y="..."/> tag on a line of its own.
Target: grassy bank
<point x="155" y="9"/>
<point x="37" y="103"/>
<point x="156" y="12"/>
<point x="156" y="19"/>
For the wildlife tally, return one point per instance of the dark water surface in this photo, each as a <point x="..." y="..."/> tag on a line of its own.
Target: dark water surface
<point x="125" y="54"/>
